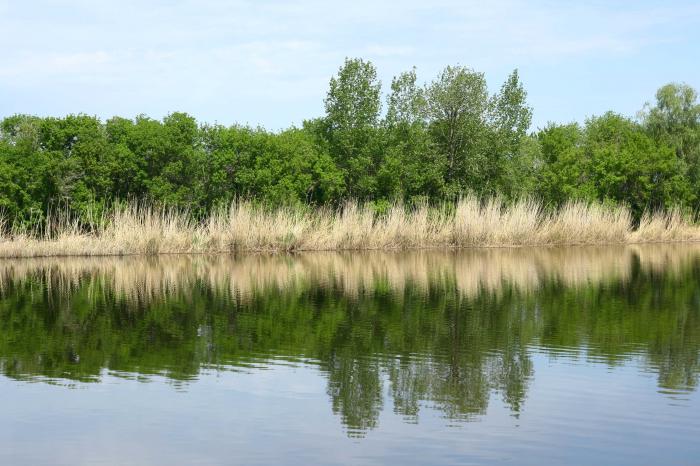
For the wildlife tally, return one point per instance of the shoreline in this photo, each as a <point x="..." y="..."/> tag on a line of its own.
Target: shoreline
<point x="292" y="252"/>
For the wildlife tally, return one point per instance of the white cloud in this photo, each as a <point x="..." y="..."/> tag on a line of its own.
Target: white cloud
<point x="213" y="54"/>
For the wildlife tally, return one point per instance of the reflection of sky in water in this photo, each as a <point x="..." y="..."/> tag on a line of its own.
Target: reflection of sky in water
<point x="577" y="412"/>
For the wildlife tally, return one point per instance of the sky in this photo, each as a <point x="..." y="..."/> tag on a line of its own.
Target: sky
<point x="268" y="62"/>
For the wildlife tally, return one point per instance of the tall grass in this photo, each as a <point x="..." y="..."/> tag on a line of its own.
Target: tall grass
<point x="470" y="222"/>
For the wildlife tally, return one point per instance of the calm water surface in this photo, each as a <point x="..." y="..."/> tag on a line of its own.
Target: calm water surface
<point x="516" y="356"/>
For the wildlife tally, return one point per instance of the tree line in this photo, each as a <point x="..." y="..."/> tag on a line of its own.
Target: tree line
<point x="420" y="143"/>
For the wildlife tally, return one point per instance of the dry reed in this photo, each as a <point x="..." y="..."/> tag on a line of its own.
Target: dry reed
<point x="471" y="222"/>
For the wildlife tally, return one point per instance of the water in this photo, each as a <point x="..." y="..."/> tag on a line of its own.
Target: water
<point x="514" y="356"/>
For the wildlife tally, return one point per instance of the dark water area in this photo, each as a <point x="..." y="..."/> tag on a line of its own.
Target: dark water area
<point x="503" y="356"/>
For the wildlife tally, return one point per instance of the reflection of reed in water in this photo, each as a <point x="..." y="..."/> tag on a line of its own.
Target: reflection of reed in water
<point x="472" y="271"/>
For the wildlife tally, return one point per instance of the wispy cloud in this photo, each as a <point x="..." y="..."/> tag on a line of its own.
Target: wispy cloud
<point x="56" y="63"/>
<point x="270" y="60"/>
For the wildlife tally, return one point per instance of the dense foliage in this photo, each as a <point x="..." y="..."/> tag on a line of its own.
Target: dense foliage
<point x="430" y="142"/>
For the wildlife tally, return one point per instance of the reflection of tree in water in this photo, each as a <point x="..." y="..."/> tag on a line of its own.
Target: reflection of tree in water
<point x="355" y="388"/>
<point x="475" y="350"/>
<point x="424" y="345"/>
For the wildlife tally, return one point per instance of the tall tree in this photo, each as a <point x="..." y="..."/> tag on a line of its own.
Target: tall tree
<point x="509" y="120"/>
<point x="406" y="104"/>
<point x="352" y="112"/>
<point x="411" y="168"/>
<point x="457" y="102"/>
<point x="675" y="121"/>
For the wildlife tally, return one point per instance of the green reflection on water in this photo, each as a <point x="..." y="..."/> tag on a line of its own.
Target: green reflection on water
<point x="447" y="330"/>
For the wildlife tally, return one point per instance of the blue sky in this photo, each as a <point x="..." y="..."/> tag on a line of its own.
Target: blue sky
<point x="268" y="62"/>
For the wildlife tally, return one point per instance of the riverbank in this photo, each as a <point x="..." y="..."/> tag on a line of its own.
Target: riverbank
<point x="135" y="230"/>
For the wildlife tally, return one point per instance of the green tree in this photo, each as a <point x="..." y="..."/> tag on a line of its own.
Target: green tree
<point x="26" y="184"/>
<point x="288" y="168"/>
<point x="627" y="166"/>
<point x="507" y="165"/>
<point x="76" y="147"/>
<point x="406" y="104"/>
<point x="675" y="121"/>
<point x="173" y="180"/>
<point x="128" y="169"/>
<point x="435" y="142"/>
<point x="611" y="160"/>
<point x="411" y="167"/>
<point x="563" y="171"/>
<point x="457" y="102"/>
<point x="351" y="125"/>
